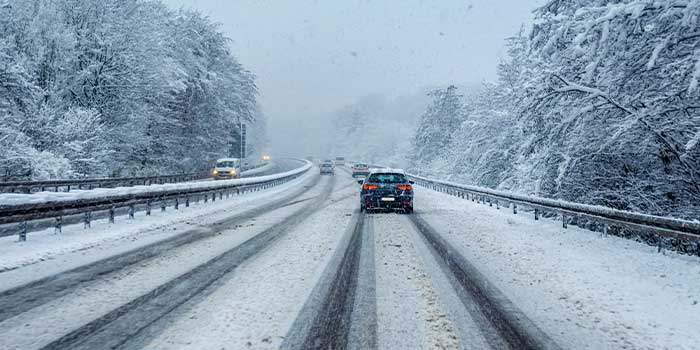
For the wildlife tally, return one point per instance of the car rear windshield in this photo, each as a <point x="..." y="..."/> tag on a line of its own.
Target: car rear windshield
<point x="327" y="165"/>
<point x="387" y="178"/>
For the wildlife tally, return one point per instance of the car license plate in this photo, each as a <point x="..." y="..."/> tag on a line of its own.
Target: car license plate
<point x="388" y="199"/>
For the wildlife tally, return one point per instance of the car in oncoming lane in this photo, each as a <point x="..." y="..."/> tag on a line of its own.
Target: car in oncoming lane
<point x="227" y="168"/>
<point x="386" y="189"/>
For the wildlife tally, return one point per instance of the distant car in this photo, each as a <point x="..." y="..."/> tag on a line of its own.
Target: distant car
<point x="227" y="168"/>
<point x="327" y="168"/>
<point x="266" y="158"/>
<point x="340" y="161"/>
<point x="386" y="189"/>
<point x="360" y="170"/>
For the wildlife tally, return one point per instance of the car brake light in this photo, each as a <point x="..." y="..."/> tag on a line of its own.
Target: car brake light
<point x="405" y="187"/>
<point x="368" y="187"/>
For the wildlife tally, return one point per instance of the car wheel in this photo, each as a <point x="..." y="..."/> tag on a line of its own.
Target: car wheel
<point x="408" y="210"/>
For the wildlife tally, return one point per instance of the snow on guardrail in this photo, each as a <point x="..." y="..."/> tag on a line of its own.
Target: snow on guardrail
<point x="23" y="208"/>
<point x="678" y="234"/>
<point x="682" y="235"/>
<point x="12" y="199"/>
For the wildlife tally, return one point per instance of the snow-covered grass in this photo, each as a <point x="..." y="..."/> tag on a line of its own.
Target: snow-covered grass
<point x="45" y="253"/>
<point x="584" y="290"/>
<point x="44" y="197"/>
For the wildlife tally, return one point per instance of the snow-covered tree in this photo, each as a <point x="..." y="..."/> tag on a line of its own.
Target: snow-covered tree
<point x="598" y="104"/>
<point x="117" y="87"/>
<point x="442" y="118"/>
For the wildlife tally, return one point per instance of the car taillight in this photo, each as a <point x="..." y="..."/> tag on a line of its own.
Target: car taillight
<point x="368" y="187"/>
<point x="405" y="187"/>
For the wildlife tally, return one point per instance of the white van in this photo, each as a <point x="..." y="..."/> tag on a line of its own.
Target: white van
<point x="227" y="168"/>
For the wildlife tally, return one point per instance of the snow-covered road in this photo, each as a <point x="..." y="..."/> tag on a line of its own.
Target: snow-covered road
<point x="297" y="266"/>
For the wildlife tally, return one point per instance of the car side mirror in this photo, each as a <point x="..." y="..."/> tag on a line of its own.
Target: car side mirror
<point x="360" y="181"/>
<point x="411" y="182"/>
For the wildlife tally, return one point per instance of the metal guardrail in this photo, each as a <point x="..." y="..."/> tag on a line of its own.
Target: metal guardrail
<point x="144" y="200"/>
<point x="91" y="183"/>
<point x="106" y="182"/>
<point x="681" y="235"/>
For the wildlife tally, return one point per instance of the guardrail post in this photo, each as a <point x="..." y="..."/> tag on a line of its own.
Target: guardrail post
<point x="498" y="205"/>
<point x="537" y="214"/>
<point x="177" y="203"/>
<point x="605" y="229"/>
<point x="213" y="197"/>
<point x="221" y="196"/>
<point x="131" y="211"/>
<point x="515" y="208"/>
<point x="564" y="224"/>
<point x="490" y="203"/>
<point x="87" y="217"/>
<point x="163" y="203"/>
<point x="148" y="208"/>
<point x="56" y="189"/>
<point x="111" y="215"/>
<point x="187" y="201"/>
<point x="206" y="198"/>
<point x="58" y="225"/>
<point x="68" y="188"/>
<point x="23" y="231"/>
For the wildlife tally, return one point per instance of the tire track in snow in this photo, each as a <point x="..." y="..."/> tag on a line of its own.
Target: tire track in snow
<point x="340" y="313"/>
<point x="410" y="310"/>
<point x="23" y="298"/>
<point x="255" y="307"/>
<point x="503" y="324"/>
<point x="115" y="328"/>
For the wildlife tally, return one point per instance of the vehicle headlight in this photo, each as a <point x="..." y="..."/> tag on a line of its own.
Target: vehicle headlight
<point x="216" y="172"/>
<point x="233" y="172"/>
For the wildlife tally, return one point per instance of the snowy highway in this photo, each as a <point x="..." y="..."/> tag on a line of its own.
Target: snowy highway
<point x="297" y="266"/>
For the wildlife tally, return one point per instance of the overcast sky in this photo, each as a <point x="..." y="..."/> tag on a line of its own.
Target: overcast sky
<point x="314" y="56"/>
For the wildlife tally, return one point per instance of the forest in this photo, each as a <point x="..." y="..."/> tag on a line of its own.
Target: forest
<point x="93" y="88"/>
<point x="597" y="103"/>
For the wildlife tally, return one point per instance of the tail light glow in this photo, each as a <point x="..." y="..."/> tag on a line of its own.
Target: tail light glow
<point x="405" y="187"/>
<point x="368" y="187"/>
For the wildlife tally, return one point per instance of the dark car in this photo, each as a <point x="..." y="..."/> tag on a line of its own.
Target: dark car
<point x="386" y="190"/>
<point x="327" y="168"/>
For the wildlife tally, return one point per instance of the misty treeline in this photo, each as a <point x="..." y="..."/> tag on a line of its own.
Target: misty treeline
<point x="375" y="129"/>
<point x="115" y="87"/>
<point x="599" y="103"/>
